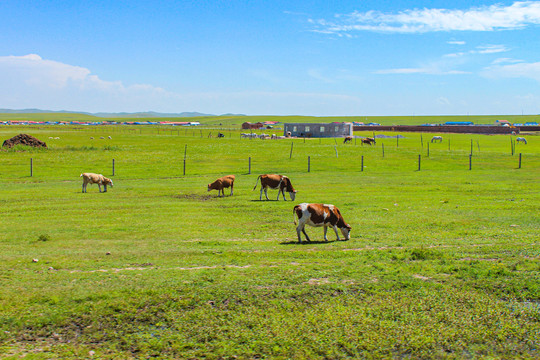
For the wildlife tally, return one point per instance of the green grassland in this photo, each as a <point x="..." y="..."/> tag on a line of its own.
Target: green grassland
<point x="442" y="262"/>
<point x="234" y="121"/>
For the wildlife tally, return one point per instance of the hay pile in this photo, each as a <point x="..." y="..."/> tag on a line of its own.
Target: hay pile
<point x="24" y="139"/>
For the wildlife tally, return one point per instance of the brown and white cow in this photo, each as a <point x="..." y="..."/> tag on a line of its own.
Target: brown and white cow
<point x="221" y="183"/>
<point x="91" y="178"/>
<point x="347" y="139"/>
<point x="320" y="215"/>
<point x="368" y="141"/>
<point x="274" y="181"/>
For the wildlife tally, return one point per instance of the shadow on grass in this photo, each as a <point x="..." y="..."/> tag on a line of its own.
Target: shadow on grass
<point x="308" y="242"/>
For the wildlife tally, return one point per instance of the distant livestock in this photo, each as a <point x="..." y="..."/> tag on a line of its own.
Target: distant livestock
<point x="91" y="178"/>
<point x="222" y="183"/>
<point x="274" y="181"/>
<point x="369" y="141"/>
<point x="347" y="139"/>
<point x="320" y="215"/>
<point x="522" y="139"/>
<point x="436" y="138"/>
<point x="220" y="135"/>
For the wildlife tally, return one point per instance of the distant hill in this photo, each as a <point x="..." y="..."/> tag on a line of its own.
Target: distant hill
<point x="148" y="114"/>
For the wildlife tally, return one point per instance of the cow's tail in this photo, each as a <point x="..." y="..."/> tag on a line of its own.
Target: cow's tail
<point x="256" y="182"/>
<point x="294" y="214"/>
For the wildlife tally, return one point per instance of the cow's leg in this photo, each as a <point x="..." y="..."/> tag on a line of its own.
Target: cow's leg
<point x="232" y="187"/>
<point x="299" y="228"/>
<point x="83" y="187"/>
<point x="325" y="230"/>
<point x="266" y="193"/>
<point x="260" y="197"/>
<point x="304" y="231"/>
<point x="105" y="186"/>
<point x="99" y="185"/>
<point x="283" y="192"/>
<point x="335" y="230"/>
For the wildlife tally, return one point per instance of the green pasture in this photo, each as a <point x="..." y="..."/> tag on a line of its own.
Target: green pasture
<point x="234" y="121"/>
<point x="442" y="263"/>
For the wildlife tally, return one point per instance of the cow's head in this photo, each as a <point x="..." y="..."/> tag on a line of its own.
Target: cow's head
<point x="346" y="230"/>
<point x="209" y="187"/>
<point x="289" y="188"/>
<point x="107" y="182"/>
<point x="292" y="194"/>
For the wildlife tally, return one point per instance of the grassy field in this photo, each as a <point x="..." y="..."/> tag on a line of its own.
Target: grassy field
<point x="234" y="121"/>
<point x="442" y="262"/>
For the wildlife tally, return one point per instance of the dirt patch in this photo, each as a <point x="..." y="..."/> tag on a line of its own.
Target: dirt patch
<point x="24" y="139"/>
<point x="193" y="197"/>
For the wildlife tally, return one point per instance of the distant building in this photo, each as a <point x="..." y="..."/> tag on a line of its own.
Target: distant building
<point x="459" y="123"/>
<point x="318" y="130"/>
<point x="248" y="125"/>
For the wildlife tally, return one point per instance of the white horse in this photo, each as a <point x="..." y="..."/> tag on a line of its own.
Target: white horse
<point x="436" y="138"/>
<point x="522" y="139"/>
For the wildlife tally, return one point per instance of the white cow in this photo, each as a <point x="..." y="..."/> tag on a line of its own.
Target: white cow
<point x="320" y="215"/>
<point x="522" y="139"/>
<point x="436" y="138"/>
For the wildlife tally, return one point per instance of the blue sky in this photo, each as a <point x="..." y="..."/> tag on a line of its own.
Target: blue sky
<point x="272" y="57"/>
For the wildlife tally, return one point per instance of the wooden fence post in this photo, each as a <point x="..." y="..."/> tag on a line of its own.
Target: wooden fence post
<point x="419" y="160"/>
<point x="185" y="152"/>
<point x="470" y="161"/>
<point x="335" y="148"/>
<point x="308" y="163"/>
<point x="249" y="168"/>
<point x="31" y="167"/>
<point x="292" y="144"/>
<point x="519" y="167"/>
<point x="112" y="167"/>
<point x="383" y="150"/>
<point x="362" y="164"/>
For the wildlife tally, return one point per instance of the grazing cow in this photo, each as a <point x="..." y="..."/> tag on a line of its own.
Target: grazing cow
<point x="222" y="183"/>
<point x="91" y="178"/>
<point x="220" y="135"/>
<point x="109" y="137"/>
<point x="436" y="138"/>
<point x="368" y="141"/>
<point x="347" y="139"/>
<point x="274" y="181"/>
<point x="320" y="215"/>
<point x="522" y="139"/>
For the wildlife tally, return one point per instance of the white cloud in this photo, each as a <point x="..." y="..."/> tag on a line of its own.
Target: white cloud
<point x="518" y="70"/>
<point x="491" y="49"/>
<point x="32" y="82"/>
<point x="456" y="42"/>
<point x="434" y="70"/>
<point x="486" y="18"/>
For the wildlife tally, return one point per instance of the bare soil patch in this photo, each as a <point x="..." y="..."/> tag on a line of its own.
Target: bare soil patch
<point x="193" y="197"/>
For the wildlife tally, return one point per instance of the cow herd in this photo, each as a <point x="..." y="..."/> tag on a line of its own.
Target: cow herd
<point x="325" y="215"/>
